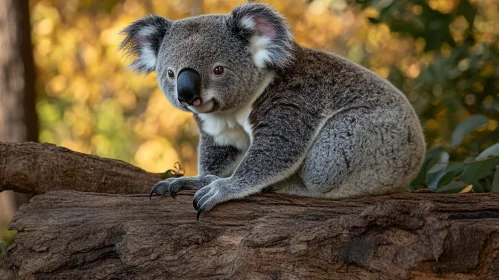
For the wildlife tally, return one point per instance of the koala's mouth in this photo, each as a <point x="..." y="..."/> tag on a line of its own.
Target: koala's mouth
<point x="204" y="107"/>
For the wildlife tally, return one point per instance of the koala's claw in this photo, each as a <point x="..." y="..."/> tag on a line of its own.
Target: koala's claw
<point x="172" y="193"/>
<point x="174" y="185"/>
<point x="198" y="203"/>
<point x="160" y="188"/>
<point x="213" y="194"/>
<point x="199" y="207"/>
<point x="153" y="192"/>
<point x="199" y="198"/>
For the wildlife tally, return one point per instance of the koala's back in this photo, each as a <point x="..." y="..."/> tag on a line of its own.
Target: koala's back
<point x="331" y="82"/>
<point x="372" y="141"/>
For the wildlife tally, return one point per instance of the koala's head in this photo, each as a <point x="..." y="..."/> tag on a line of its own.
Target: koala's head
<point x="214" y="62"/>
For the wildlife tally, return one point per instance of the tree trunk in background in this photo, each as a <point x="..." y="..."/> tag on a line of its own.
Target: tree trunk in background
<point x="196" y="7"/>
<point x="18" y="119"/>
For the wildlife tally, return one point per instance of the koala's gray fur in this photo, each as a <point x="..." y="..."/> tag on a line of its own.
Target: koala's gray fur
<point x="281" y="117"/>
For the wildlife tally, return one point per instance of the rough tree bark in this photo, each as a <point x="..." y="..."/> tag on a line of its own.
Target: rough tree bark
<point x="75" y="235"/>
<point x="36" y="168"/>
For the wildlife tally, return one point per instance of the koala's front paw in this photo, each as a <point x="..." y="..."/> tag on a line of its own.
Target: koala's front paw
<point x="161" y="187"/>
<point x="174" y="185"/>
<point x="215" y="193"/>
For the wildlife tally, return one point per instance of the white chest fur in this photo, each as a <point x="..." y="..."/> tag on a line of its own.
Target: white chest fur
<point x="228" y="129"/>
<point x="233" y="128"/>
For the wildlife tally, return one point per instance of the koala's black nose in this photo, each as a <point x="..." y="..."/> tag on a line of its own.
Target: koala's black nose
<point x="189" y="87"/>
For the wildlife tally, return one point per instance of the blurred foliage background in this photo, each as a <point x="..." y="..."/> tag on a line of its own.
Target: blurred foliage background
<point x="443" y="54"/>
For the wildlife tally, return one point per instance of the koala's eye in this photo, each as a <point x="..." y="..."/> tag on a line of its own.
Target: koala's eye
<point x="219" y="70"/>
<point x="170" y="74"/>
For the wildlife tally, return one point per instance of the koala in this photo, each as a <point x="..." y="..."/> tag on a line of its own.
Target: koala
<point x="274" y="116"/>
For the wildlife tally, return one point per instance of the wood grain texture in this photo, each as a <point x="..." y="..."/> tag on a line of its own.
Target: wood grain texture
<point x="74" y="235"/>
<point x="36" y="168"/>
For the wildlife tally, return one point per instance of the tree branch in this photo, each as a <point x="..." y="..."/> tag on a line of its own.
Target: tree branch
<point x="36" y="168"/>
<point x="73" y="235"/>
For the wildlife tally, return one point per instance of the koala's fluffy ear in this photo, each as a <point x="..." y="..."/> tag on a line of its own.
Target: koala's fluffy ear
<point x="142" y="41"/>
<point x="267" y="32"/>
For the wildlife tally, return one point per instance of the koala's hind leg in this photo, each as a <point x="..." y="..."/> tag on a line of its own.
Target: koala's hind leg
<point x="361" y="153"/>
<point x="333" y="155"/>
<point x="293" y="185"/>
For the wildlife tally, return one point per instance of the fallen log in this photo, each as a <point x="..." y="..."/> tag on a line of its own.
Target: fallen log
<point x="74" y="235"/>
<point x="35" y="168"/>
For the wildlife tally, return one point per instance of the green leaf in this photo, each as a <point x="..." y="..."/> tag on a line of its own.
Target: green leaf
<point x="446" y="179"/>
<point x="457" y="166"/>
<point x="490" y="151"/>
<point x="479" y="187"/>
<point x="478" y="170"/>
<point x="467" y="126"/>
<point x="495" y="184"/>
<point x="431" y="157"/>
<point x="444" y="157"/>
<point x="434" y="178"/>
<point x="452" y="187"/>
